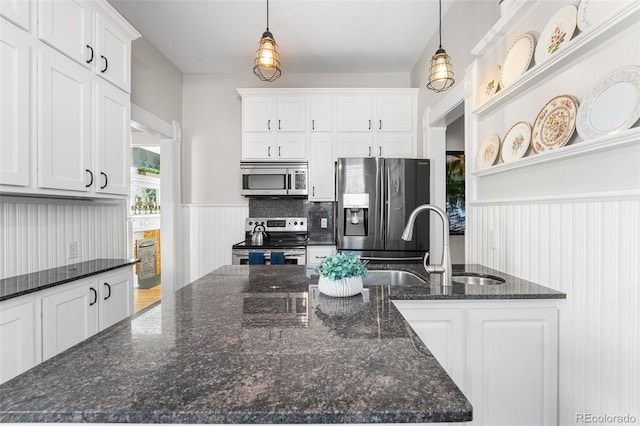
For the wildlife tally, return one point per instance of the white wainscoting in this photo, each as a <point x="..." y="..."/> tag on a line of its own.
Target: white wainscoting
<point x="210" y="231"/>
<point x="589" y="249"/>
<point x="35" y="233"/>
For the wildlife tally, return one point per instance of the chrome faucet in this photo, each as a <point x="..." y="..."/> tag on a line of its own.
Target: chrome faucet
<point x="445" y="266"/>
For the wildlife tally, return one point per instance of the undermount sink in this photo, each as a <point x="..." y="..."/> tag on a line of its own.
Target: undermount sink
<point x="393" y="277"/>
<point x="477" y="279"/>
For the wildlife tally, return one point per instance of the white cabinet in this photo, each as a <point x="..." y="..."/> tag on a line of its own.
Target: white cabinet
<point x="395" y="114"/>
<point x="113" y="54"/>
<point x="291" y="114"/>
<point x="321" y="168"/>
<point x="257" y="113"/>
<point x="17" y="11"/>
<point x="18" y="336"/>
<point x="64" y="124"/>
<point x="316" y="254"/>
<point x="355" y="113"/>
<point x="321" y="113"/>
<point x="502" y="354"/>
<point x="14" y="104"/>
<point x="74" y="312"/>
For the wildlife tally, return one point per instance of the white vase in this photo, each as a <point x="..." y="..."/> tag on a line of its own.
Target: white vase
<point x="343" y="287"/>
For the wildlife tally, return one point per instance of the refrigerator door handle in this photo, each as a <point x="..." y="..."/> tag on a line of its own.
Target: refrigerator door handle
<point x="383" y="219"/>
<point x="386" y="197"/>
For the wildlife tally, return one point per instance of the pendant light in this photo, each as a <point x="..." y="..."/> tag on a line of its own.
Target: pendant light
<point x="267" y="64"/>
<point x="441" y="71"/>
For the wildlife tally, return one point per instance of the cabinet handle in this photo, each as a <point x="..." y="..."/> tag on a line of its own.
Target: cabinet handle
<point x="380" y="125"/>
<point x="91" y="57"/>
<point x="108" y="288"/>
<point x="269" y="124"/>
<point x="369" y="151"/>
<point x="106" y="64"/>
<point x="313" y="191"/>
<point x="91" y="180"/>
<point x="278" y="124"/>
<point x="269" y="151"/>
<point x="106" y="180"/>
<point x="369" y="124"/>
<point x="95" y="296"/>
<point x="279" y="151"/>
<point x="313" y="124"/>
<point x="380" y="151"/>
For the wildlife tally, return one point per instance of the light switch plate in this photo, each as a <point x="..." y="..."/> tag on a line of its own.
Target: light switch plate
<point x="493" y="240"/>
<point x="323" y="222"/>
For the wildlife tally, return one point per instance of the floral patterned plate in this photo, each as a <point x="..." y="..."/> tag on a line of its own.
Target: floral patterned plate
<point x="556" y="33"/>
<point x="555" y="123"/>
<point x="489" y="84"/>
<point x="488" y="151"/>
<point x="517" y="60"/>
<point x="516" y="142"/>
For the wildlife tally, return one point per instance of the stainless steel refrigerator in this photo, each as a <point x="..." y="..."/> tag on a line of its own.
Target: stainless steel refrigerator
<point x="375" y="197"/>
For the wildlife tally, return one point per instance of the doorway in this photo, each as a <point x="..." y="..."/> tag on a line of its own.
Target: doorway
<point x="154" y="211"/>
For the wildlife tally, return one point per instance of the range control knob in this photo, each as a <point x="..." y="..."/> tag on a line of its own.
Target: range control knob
<point x="250" y="223"/>
<point x="301" y="223"/>
<point x="295" y="223"/>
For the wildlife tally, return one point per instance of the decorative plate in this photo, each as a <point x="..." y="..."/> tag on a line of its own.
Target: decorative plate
<point x="516" y="142"/>
<point x="517" y="60"/>
<point x="489" y="84"/>
<point x="555" y="123"/>
<point x="612" y="105"/>
<point x="557" y="33"/>
<point x="488" y="151"/>
<point x="592" y="13"/>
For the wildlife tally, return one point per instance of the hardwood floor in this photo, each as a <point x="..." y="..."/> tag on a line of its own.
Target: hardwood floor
<point x="145" y="297"/>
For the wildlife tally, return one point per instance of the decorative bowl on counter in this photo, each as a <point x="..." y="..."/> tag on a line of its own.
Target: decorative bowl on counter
<point x="341" y="275"/>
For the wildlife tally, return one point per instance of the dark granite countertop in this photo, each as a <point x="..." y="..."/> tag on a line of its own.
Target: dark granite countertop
<point x="254" y="344"/>
<point x="36" y="281"/>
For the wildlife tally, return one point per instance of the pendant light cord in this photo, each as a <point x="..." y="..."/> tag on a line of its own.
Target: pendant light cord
<point x="439" y="26"/>
<point x="268" y="16"/>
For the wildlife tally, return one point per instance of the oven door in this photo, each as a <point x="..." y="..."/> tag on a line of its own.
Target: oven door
<point x="292" y="256"/>
<point x="263" y="178"/>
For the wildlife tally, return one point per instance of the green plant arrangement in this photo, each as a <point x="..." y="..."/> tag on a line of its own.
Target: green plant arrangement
<point x="342" y="265"/>
<point x="148" y="170"/>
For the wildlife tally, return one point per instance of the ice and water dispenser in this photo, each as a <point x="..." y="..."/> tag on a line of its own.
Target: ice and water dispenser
<point x="356" y="214"/>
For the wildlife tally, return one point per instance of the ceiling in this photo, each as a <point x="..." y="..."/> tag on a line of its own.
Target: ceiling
<point x="314" y="36"/>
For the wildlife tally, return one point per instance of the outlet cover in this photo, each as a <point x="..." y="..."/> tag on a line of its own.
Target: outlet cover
<point x="72" y="250"/>
<point x="493" y="240"/>
<point x="323" y="222"/>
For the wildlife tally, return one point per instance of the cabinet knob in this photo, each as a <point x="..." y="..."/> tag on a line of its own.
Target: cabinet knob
<point x="106" y="180"/>
<point x="91" y="178"/>
<point x="90" y="57"/>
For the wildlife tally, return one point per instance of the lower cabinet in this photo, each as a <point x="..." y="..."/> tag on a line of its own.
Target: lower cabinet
<point x="37" y="326"/>
<point x="502" y="354"/>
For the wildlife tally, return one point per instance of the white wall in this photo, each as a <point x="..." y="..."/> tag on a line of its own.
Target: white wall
<point x="213" y="125"/>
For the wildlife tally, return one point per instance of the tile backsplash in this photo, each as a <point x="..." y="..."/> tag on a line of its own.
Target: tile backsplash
<point x="297" y="207"/>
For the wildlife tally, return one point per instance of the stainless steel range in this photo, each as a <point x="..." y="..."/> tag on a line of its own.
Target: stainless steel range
<point x="283" y="234"/>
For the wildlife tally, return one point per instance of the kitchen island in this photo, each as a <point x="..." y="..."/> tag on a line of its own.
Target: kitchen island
<point x="253" y="344"/>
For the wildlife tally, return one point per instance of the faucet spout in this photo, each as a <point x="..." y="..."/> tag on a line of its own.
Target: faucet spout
<point x="444" y="267"/>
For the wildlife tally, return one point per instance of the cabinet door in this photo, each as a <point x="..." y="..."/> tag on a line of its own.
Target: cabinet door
<point x="67" y="26"/>
<point x="395" y="113"/>
<point x="257" y="114"/>
<point x="321" y="168"/>
<point x="316" y="254"/>
<point x="64" y="122"/>
<point x="291" y="114"/>
<point x="14" y="103"/>
<point x="69" y="316"/>
<point x="355" y="145"/>
<point x="17" y="337"/>
<point x="17" y="11"/>
<point x="112" y="145"/>
<point x="443" y="332"/>
<point x="321" y="113"/>
<point x="259" y="146"/>
<point x="113" y="54"/>
<point x="291" y="146"/>
<point x="355" y="113"/>
<point x="513" y="366"/>
<point x="116" y="297"/>
<point x="395" y="145"/>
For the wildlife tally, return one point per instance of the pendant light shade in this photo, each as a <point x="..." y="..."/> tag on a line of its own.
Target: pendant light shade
<point x="267" y="63"/>
<point x="441" y="71"/>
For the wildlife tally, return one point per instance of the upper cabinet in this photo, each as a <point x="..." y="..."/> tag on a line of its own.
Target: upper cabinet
<point x="66" y="132"/>
<point x="17" y="11"/>
<point x="555" y="93"/>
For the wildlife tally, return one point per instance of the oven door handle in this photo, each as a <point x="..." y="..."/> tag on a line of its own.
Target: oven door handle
<point x="391" y="258"/>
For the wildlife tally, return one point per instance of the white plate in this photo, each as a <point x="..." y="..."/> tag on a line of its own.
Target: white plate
<point x="517" y="60"/>
<point x="554" y="124"/>
<point x="488" y="151"/>
<point x="516" y="142"/>
<point x="557" y="33"/>
<point x="489" y="84"/>
<point x="592" y="13"/>
<point x="612" y="105"/>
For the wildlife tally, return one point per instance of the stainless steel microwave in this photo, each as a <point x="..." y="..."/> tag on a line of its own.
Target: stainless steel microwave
<point x="261" y="178"/>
